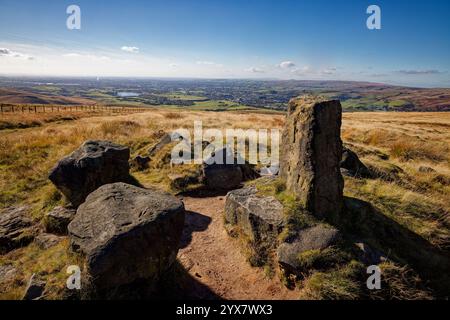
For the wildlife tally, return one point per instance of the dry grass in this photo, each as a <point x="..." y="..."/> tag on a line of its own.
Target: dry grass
<point x="397" y="144"/>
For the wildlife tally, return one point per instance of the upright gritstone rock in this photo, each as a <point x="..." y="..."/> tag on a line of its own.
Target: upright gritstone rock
<point x="311" y="154"/>
<point x="126" y="234"/>
<point x="94" y="164"/>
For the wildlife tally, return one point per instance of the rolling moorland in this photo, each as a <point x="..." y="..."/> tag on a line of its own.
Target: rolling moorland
<point x="408" y="154"/>
<point x="218" y="95"/>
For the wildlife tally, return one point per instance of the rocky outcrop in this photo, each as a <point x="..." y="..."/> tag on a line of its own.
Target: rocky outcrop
<point x="16" y="228"/>
<point x="311" y="154"/>
<point x="57" y="220"/>
<point x="315" y="238"/>
<point x="352" y="166"/>
<point x="259" y="219"/>
<point x="94" y="164"/>
<point x="126" y="234"/>
<point x="223" y="171"/>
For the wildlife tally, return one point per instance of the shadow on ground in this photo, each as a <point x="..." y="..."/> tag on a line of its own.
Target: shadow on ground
<point x="203" y="192"/>
<point x="398" y="243"/>
<point x="180" y="285"/>
<point x="194" y="222"/>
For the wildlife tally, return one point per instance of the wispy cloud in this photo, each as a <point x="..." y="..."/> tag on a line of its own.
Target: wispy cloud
<point x="9" y="53"/>
<point x="93" y="57"/>
<point x="301" y="71"/>
<point x="130" y="49"/>
<point x="209" y="63"/>
<point x="287" y="65"/>
<point x="418" y="72"/>
<point x="329" y="71"/>
<point x="254" y="70"/>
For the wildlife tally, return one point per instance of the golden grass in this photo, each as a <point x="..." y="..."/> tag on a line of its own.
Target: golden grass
<point x="416" y="199"/>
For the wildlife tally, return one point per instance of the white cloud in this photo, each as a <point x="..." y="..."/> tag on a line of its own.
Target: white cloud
<point x="5" y="52"/>
<point x="8" y="53"/>
<point x="301" y="71"/>
<point x="209" y="63"/>
<point x="86" y="56"/>
<point x="329" y="71"/>
<point x="254" y="70"/>
<point x="130" y="49"/>
<point x="72" y="55"/>
<point x="287" y="65"/>
<point x="418" y="72"/>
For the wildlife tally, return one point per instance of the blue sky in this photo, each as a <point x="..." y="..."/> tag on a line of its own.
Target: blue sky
<point x="286" y="39"/>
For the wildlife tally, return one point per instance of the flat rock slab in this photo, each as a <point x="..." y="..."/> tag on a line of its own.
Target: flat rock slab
<point x="254" y="212"/>
<point x="15" y="228"/>
<point x="315" y="238"/>
<point x="127" y="234"/>
<point x="94" y="164"/>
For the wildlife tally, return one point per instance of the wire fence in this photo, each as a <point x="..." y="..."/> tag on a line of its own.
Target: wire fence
<point x="9" y="108"/>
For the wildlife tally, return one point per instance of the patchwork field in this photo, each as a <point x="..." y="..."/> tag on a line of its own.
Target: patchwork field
<point x="410" y="153"/>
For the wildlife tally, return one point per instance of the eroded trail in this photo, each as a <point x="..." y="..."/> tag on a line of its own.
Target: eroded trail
<point x="214" y="259"/>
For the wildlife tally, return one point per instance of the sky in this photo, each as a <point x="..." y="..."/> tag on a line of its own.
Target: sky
<point x="262" y="39"/>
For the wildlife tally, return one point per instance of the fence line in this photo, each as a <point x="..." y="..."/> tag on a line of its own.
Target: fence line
<point x="10" y="108"/>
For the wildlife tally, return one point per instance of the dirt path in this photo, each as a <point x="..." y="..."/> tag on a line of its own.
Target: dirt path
<point x="211" y="257"/>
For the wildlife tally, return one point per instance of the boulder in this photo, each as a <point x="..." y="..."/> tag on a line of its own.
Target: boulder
<point x="94" y="164"/>
<point x="165" y="140"/>
<point x="45" y="240"/>
<point x="259" y="220"/>
<point x="352" y="166"/>
<point x="16" y="228"/>
<point x="126" y="234"/>
<point x="318" y="237"/>
<point x="181" y="181"/>
<point x="223" y="170"/>
<point x="140" y="163"/>
<point x="311" y="153"/>
<point x="57" y="220"/>
<point x="226" y="175"/>
<point x="35" y="288"/>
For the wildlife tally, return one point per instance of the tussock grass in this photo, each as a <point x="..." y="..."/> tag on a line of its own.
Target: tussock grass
<point x="394" y="145"/>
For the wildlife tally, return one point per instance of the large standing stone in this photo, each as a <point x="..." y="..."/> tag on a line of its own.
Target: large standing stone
<point x="127" y="234"/>
<point x="94" y="164"/>
<point x="15" y="228"/>
<point x="311" y="153"/>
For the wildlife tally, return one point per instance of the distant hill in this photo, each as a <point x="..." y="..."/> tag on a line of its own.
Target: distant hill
<point x="12" y="96"/>
<point x="219" y="94"/>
